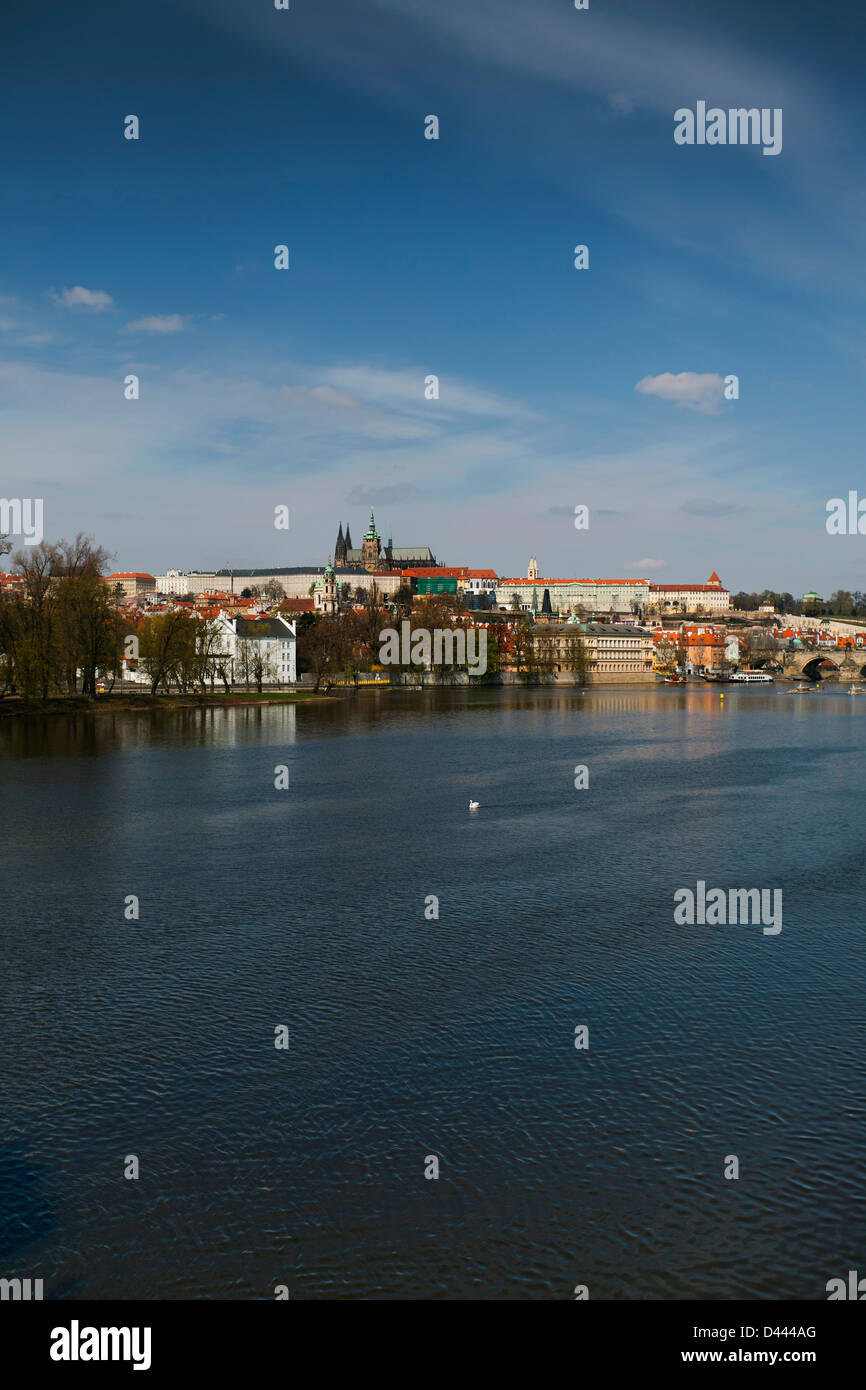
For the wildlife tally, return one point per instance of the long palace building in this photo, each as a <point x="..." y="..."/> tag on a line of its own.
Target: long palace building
<point x="619" y="596"/>
<point x="570" y="595"/>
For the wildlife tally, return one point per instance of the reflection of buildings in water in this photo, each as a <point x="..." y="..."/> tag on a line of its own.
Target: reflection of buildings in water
<point x="675" y="722"/>
<point x="130" y="731"/>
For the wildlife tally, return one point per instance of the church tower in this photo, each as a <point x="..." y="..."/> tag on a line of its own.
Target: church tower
<point x="387" y="557"/>
<point x="532" y="572"/>
<point x="341" y="547"/>
<point x="326" y="597"/>
<point x="370" y="546"/>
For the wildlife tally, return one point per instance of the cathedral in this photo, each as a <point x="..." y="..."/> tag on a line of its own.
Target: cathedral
<point x="377" y="558"/>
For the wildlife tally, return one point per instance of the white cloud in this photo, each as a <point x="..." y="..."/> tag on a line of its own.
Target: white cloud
<point x="327" y="396"/>
<point x="404" y="390"/>
<point x="199" y="484"/>
<point x="80" y="298"/>
<point x="695" y="390"/>
<point x="36" y="339"/>
<point x="158" y="323"/>
<point x="621" y="103"/>
<point x="363" y="495"/>
<point x="638" y="566"/>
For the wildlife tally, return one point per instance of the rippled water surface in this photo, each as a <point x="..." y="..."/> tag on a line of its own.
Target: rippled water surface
<point x="413" y="1037"/>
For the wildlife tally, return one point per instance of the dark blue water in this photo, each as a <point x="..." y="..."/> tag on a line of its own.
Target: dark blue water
<point x="414" y="1037"/>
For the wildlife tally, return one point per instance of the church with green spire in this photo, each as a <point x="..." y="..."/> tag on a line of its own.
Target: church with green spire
<point x="325" y="591"/>
<point x="377" y="558"/>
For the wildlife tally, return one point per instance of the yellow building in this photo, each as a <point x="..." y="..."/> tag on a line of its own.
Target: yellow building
<point x="131" y="583"/>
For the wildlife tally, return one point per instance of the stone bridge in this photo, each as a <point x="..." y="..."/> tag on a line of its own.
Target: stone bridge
<point x="828" y="664"/>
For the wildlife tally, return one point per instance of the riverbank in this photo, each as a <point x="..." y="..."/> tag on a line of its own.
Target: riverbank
<point x="135" y="702"/>
<point x="127" y="702"/>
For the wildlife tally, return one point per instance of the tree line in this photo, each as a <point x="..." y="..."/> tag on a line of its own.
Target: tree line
<point x="338" y="647"/>
<point x="841" y="604"/>
<point x="61" y="625"/>
<point x="62" y="631"/>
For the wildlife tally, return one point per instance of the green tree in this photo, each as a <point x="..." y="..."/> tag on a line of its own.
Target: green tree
<point x="576" y="657"/>
<point x="35" y="642"/>
<point x="89" y="631"/>
<point x="167" y="645"/>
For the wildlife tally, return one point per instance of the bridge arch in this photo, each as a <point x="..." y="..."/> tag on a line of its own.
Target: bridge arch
<point x="820" y="667"/>
<point x="843" y="665"/>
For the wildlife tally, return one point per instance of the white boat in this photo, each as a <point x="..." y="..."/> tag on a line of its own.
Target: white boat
<point x="752" y="678"/>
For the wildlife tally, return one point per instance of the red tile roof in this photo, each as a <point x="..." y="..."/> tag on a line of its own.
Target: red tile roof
<point x="542" y="583"/>
<point x="298" y="605"/>
<point x="447" y="572"/>
<point x="687" y="589"/>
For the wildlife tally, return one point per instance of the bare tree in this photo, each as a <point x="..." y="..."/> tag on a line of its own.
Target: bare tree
<point x="80" y="559"/>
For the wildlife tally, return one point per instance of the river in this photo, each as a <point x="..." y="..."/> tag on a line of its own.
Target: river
<point x="413" y="1037"/>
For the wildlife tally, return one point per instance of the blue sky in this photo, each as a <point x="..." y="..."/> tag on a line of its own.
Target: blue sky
<point x="454" y="257"/>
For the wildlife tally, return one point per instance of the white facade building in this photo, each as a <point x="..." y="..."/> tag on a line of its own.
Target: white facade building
<point x="294" y="582"/>
<point x="691" y="598"/>
<point x="274" y="640"/>
<point x="621" y="596"/>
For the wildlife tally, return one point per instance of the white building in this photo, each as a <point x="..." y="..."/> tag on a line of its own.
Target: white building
<point x="295" y="582"/>
<point x="478" y="582"/>
<point x="691" y="598"/>
<point x="174" y="582"/>
<point x="620" y="596"/>
<point x="274" y="640"/>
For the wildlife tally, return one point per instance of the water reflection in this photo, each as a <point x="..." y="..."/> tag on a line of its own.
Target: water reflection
<point x="408" y="1035"/>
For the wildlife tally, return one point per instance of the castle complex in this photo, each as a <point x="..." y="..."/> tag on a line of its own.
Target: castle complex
<point x="376" y="558"/>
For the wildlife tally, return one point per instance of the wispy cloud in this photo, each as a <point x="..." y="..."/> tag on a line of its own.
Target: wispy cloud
<point x="405" y="390"/>
<point x="646" y="563"/>
<point x="621" y="103"/>
<point x="80" y="298"/>
<point x="709" y="507"/>
<point x="158" y="323"/>
<point x="328" y="397"/>
<point x="695" y="390"/>
<point x="365" y="496"/>
<point x="35" y="339"/>
<point x="78" y="433"/>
